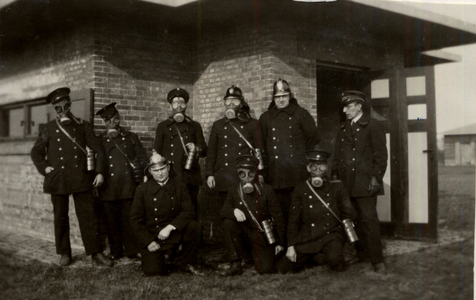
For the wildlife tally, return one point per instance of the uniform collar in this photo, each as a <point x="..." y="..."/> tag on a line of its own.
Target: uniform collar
<point x="363" y="121"/>
<point x="155" y="186"/>
<point x="325" y="187"/>
<point x="170" y="121"/>
<point x="290" y="109"/>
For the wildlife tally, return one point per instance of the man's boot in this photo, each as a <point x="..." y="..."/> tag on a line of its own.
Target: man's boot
<point x="235" y="269"/>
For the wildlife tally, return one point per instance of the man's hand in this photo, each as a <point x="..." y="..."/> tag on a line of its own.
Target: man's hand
<point x="190" y="146"/>
<point x="261" y="179"/>
<point x="49" y="169"/>
<point x="98" y="180"/>
<point x="291" y="254"/>
<point x="165" y="232"/>
<point x="211" y="182"/>
<point x="239" y="215"/>
<point x="278" y="249"/>
<point x="153" y="246"/>
<point x="374" y="186"/>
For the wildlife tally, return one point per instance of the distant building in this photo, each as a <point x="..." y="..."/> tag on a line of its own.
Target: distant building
<point x="460" y="146"/>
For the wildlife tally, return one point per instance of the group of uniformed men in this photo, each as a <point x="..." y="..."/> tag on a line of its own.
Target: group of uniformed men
<point x="269" y="174"/>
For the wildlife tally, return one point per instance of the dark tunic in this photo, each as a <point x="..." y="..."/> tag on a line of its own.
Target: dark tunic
<point x="360" y="153"/>
<point x="263" y="206"/>
<point x="287" y="133"/>
<point x="154" y="207"/>
<point x="167" y="143"/>
<point x="53" y="148"/>
<point x="310" y="224"/>
<point x="118" y="177"/>
<point x="224" y="147"/>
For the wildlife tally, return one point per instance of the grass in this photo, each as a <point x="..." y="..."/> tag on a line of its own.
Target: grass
<point x="443" y="272"/>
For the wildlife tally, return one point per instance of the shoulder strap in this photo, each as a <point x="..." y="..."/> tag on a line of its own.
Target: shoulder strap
<point x="241" y="136"/>
<point x="123" y="154"/>
<point x="323" y="203"/>
<point x="67" y="134"/>
<point x="240" y="192"/>
<point x="181" y="139"/>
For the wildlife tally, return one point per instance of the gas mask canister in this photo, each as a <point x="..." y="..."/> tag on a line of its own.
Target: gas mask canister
<point x="247" y="177"/>
<point x="232" y="105"/>
<point x="62" y="109"/>
<point x="317" y="171"/>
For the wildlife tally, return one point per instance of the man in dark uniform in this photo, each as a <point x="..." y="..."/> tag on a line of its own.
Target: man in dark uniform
<point x="126" y="161"/>
<point x="60" y="155"/>
<point x="288" y="131"/>
<point x="312" y="228"/>
<point x="234" y="135"/>
<point x="360" y="161"/>
<point x="178" y="137"/>
<point x="162" y="217"/>
<point x="247" y="205"/>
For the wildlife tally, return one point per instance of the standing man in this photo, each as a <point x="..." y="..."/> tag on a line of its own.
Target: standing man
<point x="179" y="137"/>
<point x="231" y="136"/>
<point x="60" y="154"/>
<point x="288" y="131"/>
<point x="312" y="227"/>
<point x="126" y="161"/>
<point x="360" y="161"/>
<point x="249" y="204"/>
<point x="162" y="217"/>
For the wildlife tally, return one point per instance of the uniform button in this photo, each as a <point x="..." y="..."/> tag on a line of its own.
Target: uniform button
<point x="276" y="157"/>
<point x="171" y="154"/>
<point x="292" y="155"/>
<point x="291" y="146"/>
<point x="310" y="197"/>
<point x="155" y="209"/>
<point x="241" y="202"/>
<point x="274" y="129"/>
<point x="312" y="225"/>
<point x="61" y="158"/>
<point x="123" y="139"/>
<point x="342" y="140"/>
<point x="290" y="127"/>
<point x="60" y="149"/>
<point x="353" y="158"/>
<point x="353" y="169"/>
<point x="352" y="149"/>
<point x="239" y="145"/>
<point x="75" y="156"/>
<point x="125" y="146"/>
<point x="328" y="232"/>
<point x="355" y="138"/>
<point x="110" y="156"/>
<point x="226" y="146"/>
<point x="226" y="154"/>
<point x="112" y="174"/>
<point x="74" y="129"/>
<point x="171" y="145"/>
<point x="75" y="148"/>
<point x="310" y="206"/>
<point x="274" y="137"/>
<point x="358" y="129"/>
<point x="172" y="198"/>
<point x="76" y="166"/>
<point x="275" y="147"/>
<point x="155" y="199"/>
<point x="327" y="213"/>
<point x="327" y="196"/>
<point x="57" y="130"/>
<point x="62" y="167"/>
<point x="291" y="136"/>
<point x="327" y="224"/>
<point x="256" y="211"/>
<point x="225" y="127"/>
<point x="226" y="164"/>
<point x="241" y="126"/>
<point x="225" y="136"/>
<point x="59" y="140"/>
<point x="156" y="219"/>
<point x="290" y="118"/>
<point x="108" y="140"/>
<point x="110" y="165"/>
<point x="172" y="208"/>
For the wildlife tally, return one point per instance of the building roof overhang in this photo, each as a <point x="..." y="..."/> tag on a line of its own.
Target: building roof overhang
<point x="417" y="32"/>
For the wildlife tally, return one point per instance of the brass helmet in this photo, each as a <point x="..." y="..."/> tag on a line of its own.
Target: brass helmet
<point x="234" y="92"/>
<point x="281" y="88"/>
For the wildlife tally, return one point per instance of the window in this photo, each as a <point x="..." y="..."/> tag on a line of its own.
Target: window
<point x="25" y="119"/>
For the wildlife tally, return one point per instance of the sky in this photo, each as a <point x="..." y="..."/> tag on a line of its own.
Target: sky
<point x="455" y="82"/>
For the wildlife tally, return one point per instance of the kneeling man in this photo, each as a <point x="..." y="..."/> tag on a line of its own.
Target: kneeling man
<point x="312" y="228"/>
<point x="248" y="210"/>
<point x="162" y="216"/>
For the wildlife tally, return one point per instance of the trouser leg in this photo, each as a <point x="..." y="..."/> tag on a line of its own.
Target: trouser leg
<point x="233" y="239"/>
<point x="368" y="227"/>
<point x="88" y="225"/>
<point x="333" y="254"/>
<point x="153" y="263"/>
<point x="193" y="191"/>
<point x="113" y="216"/>
<point x="190" y="239"/>
<point x="284" y="265"/>
<point x="61" y="223"/>
<point x="284" y="198"/>
<point x="264" y="258"/>
<point x="130" y="244"/>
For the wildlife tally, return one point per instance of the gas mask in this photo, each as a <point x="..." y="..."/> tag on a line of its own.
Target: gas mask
<point x="317" y="170"/>
<point x="112" y="126"/>
<point x="178" y="109"/>
<point x="62" y="109"/>
<point x="232" y="105"/>
<point x="247" y="177"/>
